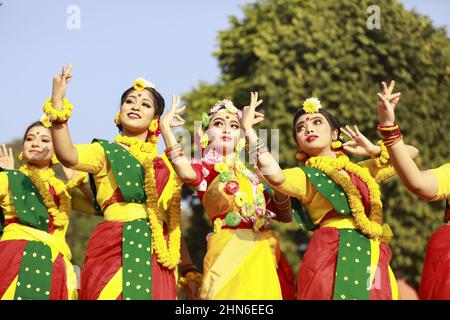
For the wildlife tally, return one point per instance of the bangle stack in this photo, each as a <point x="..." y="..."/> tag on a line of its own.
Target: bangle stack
<point x="285" y="204"/>
<point x="255" y="150"/>
<point x="391" y="134"/>
<point x="174" y="152"/>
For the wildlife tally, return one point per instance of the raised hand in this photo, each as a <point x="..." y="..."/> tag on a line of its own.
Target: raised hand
<point x="60" y="82"/>
<point x="387" y="101"/>
<point x="166" y="120"/>
<point x="6" y="158"/>
<point x="358" y="144"/>
<point x="249" y="115"/>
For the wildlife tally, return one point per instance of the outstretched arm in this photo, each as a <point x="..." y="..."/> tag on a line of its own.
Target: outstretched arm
<point x="180" y="163"/>
<point x="422" y="183"/>
<point x="266" y="163"/>
<point x="62" y="142"/>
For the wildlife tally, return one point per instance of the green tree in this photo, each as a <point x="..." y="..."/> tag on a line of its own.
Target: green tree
<point x="289" y="50"/>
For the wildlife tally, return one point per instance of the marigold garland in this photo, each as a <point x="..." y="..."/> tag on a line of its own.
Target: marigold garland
<point x="383" y="158"/>
<point x="51" y="114"/>
<point x="370" y="226"/>
<point x="39" y="178"/>
<point x="167" y="255"/>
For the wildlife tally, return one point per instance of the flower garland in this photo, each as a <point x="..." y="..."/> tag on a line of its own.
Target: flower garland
<point x="254" y="212"/>
<point x="139" y="149"/>
<point x="370" y="226"/>
<point x="383" y="159"/>
<point x="51" y="114"/>
<point x="168" y="256"/>
<point x="39" y="178"/>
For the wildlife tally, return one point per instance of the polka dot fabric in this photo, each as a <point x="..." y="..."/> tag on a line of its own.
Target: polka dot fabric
<point x="329" y="189"/>
<point x="27" y="201"/>
<point x="128" y="172"/>
<point x="137" y="261"/>
<point x="353" y="267"/>
<point x="35" y="275"/>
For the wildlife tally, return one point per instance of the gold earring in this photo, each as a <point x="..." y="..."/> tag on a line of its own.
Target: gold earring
<point x="117" y="119"/>
<point x="336" y="144"/>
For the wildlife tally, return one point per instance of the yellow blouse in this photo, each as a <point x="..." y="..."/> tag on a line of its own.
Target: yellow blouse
<point x="92" y="159"/>
<point x="79" y="200"/>
<point x="443" y="175"/>
<point x="297" y="185"/>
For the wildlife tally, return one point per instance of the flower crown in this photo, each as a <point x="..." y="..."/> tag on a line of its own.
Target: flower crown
<point x="311" y="105"/>
<point x="140" y="84"/>
<point x="225" y="103"/>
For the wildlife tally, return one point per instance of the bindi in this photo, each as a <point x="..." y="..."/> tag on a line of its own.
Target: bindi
<point x="139" y="94"/>
<point x="307" y="119"/>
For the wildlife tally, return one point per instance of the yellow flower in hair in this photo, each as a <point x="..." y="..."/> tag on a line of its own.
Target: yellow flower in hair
<point x="240" y="198"/>
<point x="140" y="84"/>
<point x="45" y="121"/>
<point x="204" y="140"/>
<point x="230" y="107"/>
<point x="221" y="167"/>
<point x="153" y="125"/>
<point x="311" y="105"/>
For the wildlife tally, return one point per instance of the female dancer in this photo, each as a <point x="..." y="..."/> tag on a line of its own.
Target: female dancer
<point x="432" y="185"/>
<point x="346" y="257"/>
<point x="134" y="253"/>
<point x="34" y="211"/>
<point x="243" y="259"/>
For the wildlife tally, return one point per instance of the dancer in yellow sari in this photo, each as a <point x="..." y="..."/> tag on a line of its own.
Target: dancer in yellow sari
<point x="243" y="258"/>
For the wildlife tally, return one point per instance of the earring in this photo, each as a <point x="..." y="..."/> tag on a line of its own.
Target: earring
<point x="55" y="160"/>
<point x="154" y="131"/>
<point x="204" y="140"/>
<point x="21" y="156"/>
<point x="336" y="144"/>
<point x="117" y="119"/>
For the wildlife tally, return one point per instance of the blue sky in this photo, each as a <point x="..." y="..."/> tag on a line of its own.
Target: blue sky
<point x="168" y="42"/>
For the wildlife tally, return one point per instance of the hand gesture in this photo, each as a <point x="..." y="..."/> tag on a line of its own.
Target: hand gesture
<point x="6" y="158"/>
<point x="358" y="144"/>
<point x="60" y="82"/>
<point x="166" y="120"/>
<point x="249" y="115"/>
<point x="387" y="101"/>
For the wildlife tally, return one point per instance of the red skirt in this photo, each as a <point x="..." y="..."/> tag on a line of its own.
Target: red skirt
<point x="11" y="253"/>
<point x="435" y="282"/>
<point x="104" y="259"/>
<point x="318" y="268"/>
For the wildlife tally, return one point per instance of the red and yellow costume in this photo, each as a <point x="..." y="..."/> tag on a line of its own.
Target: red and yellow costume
<point x="34" y="255"/>
<point x="345" y="258"/>
<point x="435" y="282"/>
<point x="110" y="268"/>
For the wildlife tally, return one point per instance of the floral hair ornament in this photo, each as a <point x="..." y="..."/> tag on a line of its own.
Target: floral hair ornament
<point x="311" y="105"/>
<point x="226" y="104"/>
<point x="140" y="84"/>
